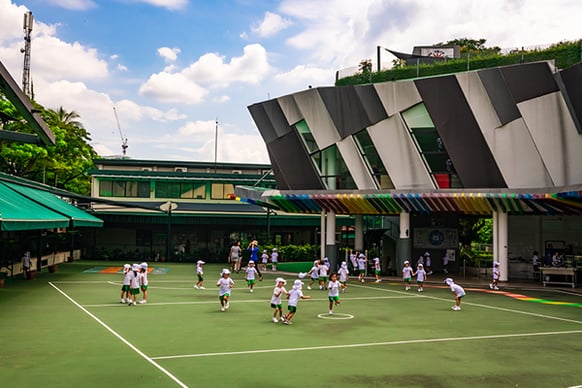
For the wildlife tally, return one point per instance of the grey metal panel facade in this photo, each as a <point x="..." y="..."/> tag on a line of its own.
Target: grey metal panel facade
<point x="572" y="81"/>
<point x="499" y="94"/>
<point x="456" y="125"/>
<point x="345" y="108"/>
<point x="289" y="154"/>
<point x="529" y="80"/>
<point x="317" y="118"/>
<point x="263" y="122"/>
<point x="290" y="109"/>
<point x="397" y="96"/>
<point x="278" y="121"/>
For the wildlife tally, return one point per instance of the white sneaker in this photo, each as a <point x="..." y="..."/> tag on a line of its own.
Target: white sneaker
<point x="309" y="287"/>
<point x="491" y="285"/>
<point x="330" y="312"/>
<point x="227" y="305"/>
<point x="362" y="280"/>
<point x="251" y="290"/>
<point x="282" y="319"/>
<point x="222" y="309"/>
<point x="275" y="320"/>
<point x="196" y="286"/>
<point x="202" y="288"/>
<point x="142" y="301"/>
<point x="122" y="300"/>
<point x="420" y="290"/>
<point x="496" y="288"/>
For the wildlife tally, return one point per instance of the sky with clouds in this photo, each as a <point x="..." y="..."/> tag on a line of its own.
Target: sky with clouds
<point x="174" y="68"/>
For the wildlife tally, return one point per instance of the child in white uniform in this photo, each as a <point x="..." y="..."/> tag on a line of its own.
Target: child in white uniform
<point x="377" y="269"/>
<point x="143" y="282"/>
<point x="496" y="275"/>
<point x="362" y="266"/>
<point x="276" y="299"/>
<point x="333" y="294"/>
<point x="200" y="275"/>
<point x="251" y="271"/>
<point x="314" y="274"/>
<point x="126" y="282"/>
<point x="420" y="277"/>
<point x="407" y="275"/>
<point x="274" y="259"/>
<point x="294" y="295"/>
<point x="224" y="284"/>
<point x="458" y="291"/>
<point x="344" y="274"/>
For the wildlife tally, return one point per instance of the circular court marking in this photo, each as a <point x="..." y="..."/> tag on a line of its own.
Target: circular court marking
<point x="337" y="316"/>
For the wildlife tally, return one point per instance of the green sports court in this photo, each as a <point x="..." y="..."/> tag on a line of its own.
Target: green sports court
<point x="69" y="328"/>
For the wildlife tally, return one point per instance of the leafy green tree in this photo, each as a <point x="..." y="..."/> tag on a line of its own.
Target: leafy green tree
<point x="64" y="164"/>
<point x="475" y="47"/>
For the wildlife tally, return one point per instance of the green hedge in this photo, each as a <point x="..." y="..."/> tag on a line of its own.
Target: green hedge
<point x="565" y="55"/>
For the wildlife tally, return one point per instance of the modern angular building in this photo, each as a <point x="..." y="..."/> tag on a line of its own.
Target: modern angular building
<point x="497" y="142"/>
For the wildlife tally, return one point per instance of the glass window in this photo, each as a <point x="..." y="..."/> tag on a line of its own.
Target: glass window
<point x="119" y="188"/>
<point x="306" y="136"/>
<point x="105" y="188"/>
<point x="221" y="190"/>
<point x="370" y="155"/>
<point x="333" y="169"/>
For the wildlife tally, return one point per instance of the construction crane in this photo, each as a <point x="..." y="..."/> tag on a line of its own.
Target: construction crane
<point x="27" y="27"/>
<point x="124" y="145"/>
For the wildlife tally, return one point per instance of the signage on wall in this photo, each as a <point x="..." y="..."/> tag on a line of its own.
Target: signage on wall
<point x="444" y="238"/>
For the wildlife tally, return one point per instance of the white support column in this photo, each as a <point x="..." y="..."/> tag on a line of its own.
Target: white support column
<point x="500" y="242"/>
<point x="330" y="248"/>
<point x="403" y="246"/>
<point x="322" y="235"/>
<point x="359" y="233"/>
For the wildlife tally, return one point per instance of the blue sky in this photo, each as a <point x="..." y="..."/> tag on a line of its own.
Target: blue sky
<point x="173" y="67"/>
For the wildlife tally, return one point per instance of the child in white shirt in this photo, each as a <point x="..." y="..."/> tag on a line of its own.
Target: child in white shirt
<point x="276" y="299"/>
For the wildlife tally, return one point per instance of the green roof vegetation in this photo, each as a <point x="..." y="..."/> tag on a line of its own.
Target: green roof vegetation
<point x="565" y="54"/>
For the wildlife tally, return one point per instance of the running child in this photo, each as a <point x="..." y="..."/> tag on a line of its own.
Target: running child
<point x="250" y="273"/>
<point x="496" y="275"/>
<point x="458" y="291"/>
<point x="133" y="284"/>
<point x="225" y="284"/>
<point x="334" y="287"/>
<point x="143" y="282"/>
<point x="377" y="269"/>
<point x="362" y="267"/>
<point x="407" y="275"/>
<point x="344" y="274"/>
<point x="126" y="284"/>
<point x="274" y="259"/>
<point x="323" y="270"/>
<point x="276" y="299"/>
<point x="294" y="295"/>
<point x="314" y="274"/>
<point x="200" y="275"/>
<point x="264" y="260"/>
<point x="420" y="277"/>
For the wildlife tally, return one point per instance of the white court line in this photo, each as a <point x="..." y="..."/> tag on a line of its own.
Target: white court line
<point x="344" y="346"/>
<point x="477" y="305"/>
<point x="148" y="359"/>
<point x="236" y="301"/>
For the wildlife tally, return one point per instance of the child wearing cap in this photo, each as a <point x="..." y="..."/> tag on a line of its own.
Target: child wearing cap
<point x="264" y="260"/>
<point x="407" y="275"/>
<point x="427" y="263"/>
<point x="344" y="274"/>
<point x="200" y="275"/>
<point x="458" y="291"/>
<point x="250" y="273"/>
<point x="126" y="282"/>
<point x="420" y="277"/>
<point x="362" y="266"/>
<point x="496" y="275"/>
<point x="134" y="284"/>
<point x="323" y="269"/>
<point x="377" y="269"/>
<point x="274" y="259"/>
<point x="314" y="274"/>
<point x="224" y="284"/>
<point x="294" y="295"/>
<point x="143" y="282"/>
<point x="333" y="295"/>
<point x="276" y="304"/>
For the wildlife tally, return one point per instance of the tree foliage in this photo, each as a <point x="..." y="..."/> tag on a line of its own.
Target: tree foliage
<point x="474" y="47"/>
<point x="64" y="164"/>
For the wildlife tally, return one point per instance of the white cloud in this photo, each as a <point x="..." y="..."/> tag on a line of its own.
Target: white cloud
<point x="271" y="24"/>
<point x="304" y="75"/>
<point x="74" y="5"/>
<point x="173" y="88"/>
<point x="169" y="54"/>
<point x="221" y="99"/>
<point x="172" y="5"/>
<point x="211" y="68"/>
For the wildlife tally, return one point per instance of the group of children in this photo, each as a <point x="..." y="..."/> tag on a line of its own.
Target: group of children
<point x="135" y="278"/>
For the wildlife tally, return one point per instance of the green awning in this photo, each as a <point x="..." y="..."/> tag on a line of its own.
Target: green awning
<point x="20" y="213"/>
<point x="77" y="216"/>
